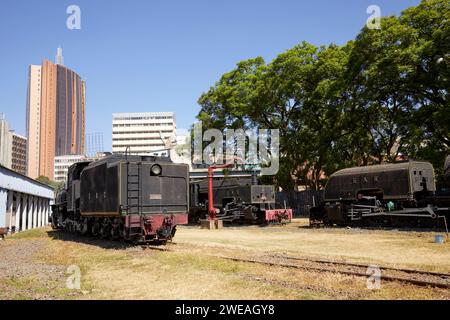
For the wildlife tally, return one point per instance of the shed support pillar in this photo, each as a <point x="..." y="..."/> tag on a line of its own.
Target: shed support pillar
<point x="9" y="211"/>
<point x="47" y="211"/>
<point x="24" y="212"/>
<point x="29" y="212"/>
<point x="19" y="217"/>
<point x="39" y="220"/>
<point x="3" y="207"/>
<point x="35" y="211"/>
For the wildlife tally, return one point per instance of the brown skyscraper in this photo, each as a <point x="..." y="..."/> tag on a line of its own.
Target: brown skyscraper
<point x="55" y="116"/>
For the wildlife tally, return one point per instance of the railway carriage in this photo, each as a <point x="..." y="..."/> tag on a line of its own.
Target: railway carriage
<point x="391" y="194"/>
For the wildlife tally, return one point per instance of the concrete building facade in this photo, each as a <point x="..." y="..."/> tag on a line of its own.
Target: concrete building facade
<point x="19" y="153"/>
<point x="63" y="163"/>
<point x="24" y="202"/>
<point x="55" y="116"/>
<point x="33" y="120"/>
<point x="13" y="148"/>
<point x="5" y="143"/>
<point x="143" y="133"/>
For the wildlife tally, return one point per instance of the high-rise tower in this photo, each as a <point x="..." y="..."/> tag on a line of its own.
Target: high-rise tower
<point x="55" y="115"/>
<point x="59" y="57"/>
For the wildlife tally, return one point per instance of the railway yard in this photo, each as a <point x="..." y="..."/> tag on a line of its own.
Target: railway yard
<point x="289" y="261"/>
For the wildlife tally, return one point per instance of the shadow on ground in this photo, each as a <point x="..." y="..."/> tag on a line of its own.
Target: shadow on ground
<point x="379" y="228"/>
<point x="102" y="243"/>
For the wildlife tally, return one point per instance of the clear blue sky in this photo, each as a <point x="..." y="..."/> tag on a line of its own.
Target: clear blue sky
<point x="160" y="55"/>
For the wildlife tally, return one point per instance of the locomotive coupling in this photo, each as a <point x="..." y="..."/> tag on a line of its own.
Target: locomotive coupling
<point x="167" y="230"/>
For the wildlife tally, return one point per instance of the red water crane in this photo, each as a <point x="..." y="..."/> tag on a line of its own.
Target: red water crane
<point x="211" y="210"/>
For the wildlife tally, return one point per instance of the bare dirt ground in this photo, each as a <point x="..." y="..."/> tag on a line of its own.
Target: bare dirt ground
<point x="33" y="264"/>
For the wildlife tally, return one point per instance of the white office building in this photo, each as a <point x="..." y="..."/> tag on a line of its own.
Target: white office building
<point x="5" y="143"/>
<point x="143" y="133"/>
<point x="62" y="164"/>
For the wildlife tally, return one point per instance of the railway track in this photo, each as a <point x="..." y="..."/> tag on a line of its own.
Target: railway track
<point x="443" y="275"/>
<point x="155" y="247"/>
<point x="391" y="274"/>
<point x="415" y="277"/>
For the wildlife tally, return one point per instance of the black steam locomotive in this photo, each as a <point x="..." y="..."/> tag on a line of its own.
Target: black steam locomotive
<point x="238" y="200"/>
<point x="136" y="198"/>
<point x="392" y="194"/>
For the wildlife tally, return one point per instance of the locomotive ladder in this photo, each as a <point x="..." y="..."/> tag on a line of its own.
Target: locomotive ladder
<point x="134" y="197"/>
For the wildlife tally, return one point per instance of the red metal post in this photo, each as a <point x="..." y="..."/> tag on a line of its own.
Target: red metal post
<point x="211" y="210"/>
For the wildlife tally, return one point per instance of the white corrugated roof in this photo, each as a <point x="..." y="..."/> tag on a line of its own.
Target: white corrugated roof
<point x="11" y="180"/>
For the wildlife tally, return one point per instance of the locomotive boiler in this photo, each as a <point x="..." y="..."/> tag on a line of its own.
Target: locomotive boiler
<point x="138" y="198"/>
<point x="390" y="194"/>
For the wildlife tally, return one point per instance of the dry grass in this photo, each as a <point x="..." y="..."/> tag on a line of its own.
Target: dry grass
<point x="192" y="270"/>
<point x="32" y="288"/>
<point x="394" y="248"/>
<point x="30" y="234"/>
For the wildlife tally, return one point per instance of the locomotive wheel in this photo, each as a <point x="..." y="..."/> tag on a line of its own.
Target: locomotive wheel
<point x="104" y="234"/>
<point x="116" y="230"/>
<point x="95" y="229"/>
<point x="111" y="234"/>
<point x="114" y="233"/>
<point x="125" y="234"/>
<point x="54" y="222"/>
<point x="105" y="230"/>
<point x="122" y="232"/>
<point x="84" y="227"/>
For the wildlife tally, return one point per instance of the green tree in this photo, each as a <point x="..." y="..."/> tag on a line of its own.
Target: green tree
<point x="383" y="94"/>
<point x="289" y="94"/>
<point x="45" y="180"/>
<point x="430" y="82"/>
<point x="381" y="67"/>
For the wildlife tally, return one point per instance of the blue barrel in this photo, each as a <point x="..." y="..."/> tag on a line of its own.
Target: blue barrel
<point x="438" y="238"/>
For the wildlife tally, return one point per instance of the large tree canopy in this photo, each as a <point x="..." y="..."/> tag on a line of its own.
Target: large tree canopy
<point x="381" y="95"/>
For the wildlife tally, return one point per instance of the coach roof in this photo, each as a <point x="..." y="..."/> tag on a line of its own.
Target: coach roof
<point x="380" y="168"/>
